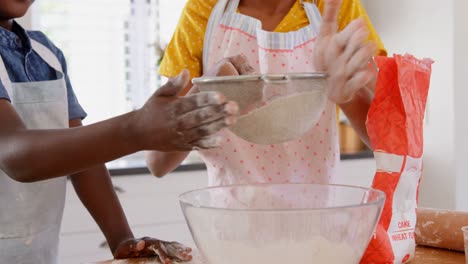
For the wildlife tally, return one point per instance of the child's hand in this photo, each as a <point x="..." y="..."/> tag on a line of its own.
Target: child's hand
<point x="343" y="55"/>
<point x="167" y="252"/>
<point x="171" y="123"/>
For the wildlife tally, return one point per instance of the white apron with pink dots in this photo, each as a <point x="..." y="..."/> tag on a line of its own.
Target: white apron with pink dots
<point x="309" y="159"/>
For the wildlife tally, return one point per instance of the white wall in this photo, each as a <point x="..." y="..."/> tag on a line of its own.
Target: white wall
<point x="461" y="105"/>
<point x="28" y="20"/>
<point x="426" y="28"/>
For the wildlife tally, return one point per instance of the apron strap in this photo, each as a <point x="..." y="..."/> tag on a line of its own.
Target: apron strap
<point x="47" y="55"/>
<point x="232" y="6"/>
<point x="5" y="78"/>
<point x="314" y="16"/>
<point x="214" y="20"/>
<point x="311" y="9"/>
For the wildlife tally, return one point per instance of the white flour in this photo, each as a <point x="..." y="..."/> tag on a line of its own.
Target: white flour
<point x="318" y="251"/>
<point x="281" y="120"/>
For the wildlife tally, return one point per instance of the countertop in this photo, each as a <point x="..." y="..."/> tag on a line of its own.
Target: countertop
<point x="136" y="164"/>
<point x="152" y="208"/>
<point x="424" y="255"/>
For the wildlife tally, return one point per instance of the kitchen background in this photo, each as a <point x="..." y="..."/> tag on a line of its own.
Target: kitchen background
<point x="112" y="52"/>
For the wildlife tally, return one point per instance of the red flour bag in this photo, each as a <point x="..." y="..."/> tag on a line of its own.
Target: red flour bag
<point x="395" y="128"/>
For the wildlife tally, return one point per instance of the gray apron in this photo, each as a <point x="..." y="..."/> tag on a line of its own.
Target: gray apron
<point x="31" y="213"/>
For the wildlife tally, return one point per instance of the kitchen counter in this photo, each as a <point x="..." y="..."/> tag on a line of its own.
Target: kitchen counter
<point x="153" y="209"/>
<point x="424" y="255"/>
<point x="136" y="164"/>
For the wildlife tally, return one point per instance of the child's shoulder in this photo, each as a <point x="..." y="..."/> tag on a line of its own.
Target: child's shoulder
<point x="40" y="37"/>
<point x="201" y="6"/>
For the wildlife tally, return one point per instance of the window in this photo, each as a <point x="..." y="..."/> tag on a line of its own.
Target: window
<point x="110" y="53"/>
<point x="109" y="46"/>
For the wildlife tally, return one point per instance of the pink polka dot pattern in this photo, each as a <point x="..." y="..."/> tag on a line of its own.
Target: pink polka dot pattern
<point x="309" y="159"/>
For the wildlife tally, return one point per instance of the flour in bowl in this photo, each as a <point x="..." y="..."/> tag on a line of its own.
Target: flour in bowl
<point x="316" y="251"/>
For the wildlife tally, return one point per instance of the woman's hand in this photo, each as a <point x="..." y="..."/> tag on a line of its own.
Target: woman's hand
<point x="167" y="252"/>
<point x="231" y="66"/>
<point x="344" y="55"/>
<point x="235" y="65"/>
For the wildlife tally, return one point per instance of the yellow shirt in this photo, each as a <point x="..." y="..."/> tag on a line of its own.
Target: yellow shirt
<point x="186" y="47"/>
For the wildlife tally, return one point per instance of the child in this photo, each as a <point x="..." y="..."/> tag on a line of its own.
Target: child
<point x="302" y="41"/>
<point x="41" y="140"/>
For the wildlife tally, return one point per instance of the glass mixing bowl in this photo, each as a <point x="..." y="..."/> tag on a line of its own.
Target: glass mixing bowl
<point x="282" y="223"/>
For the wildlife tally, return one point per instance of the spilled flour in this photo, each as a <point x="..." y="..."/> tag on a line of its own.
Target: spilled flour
<point x="317" y="251"/>
<point x="197" y="259"/>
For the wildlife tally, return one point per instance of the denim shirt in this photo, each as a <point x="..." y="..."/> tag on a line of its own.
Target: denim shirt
<point x="25" y="65"/>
